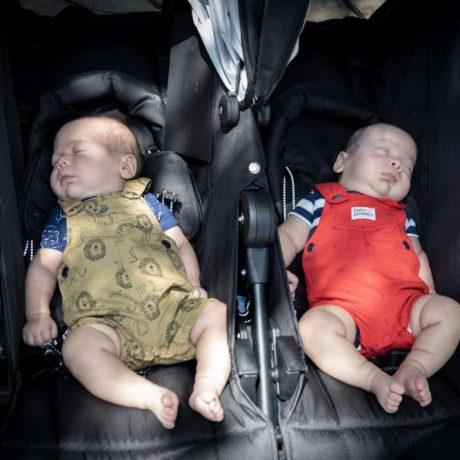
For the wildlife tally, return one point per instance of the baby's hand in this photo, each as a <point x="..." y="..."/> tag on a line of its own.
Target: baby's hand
<point x="39" y="329"/>
<point x="293" y="282"/>
<point x="198" y="291"/>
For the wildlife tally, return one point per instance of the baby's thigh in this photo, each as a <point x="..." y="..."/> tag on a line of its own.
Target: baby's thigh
<point x="432" y="309"/>
<point x="212" y="316"/>
<point x="91" y="338"/>
<point x="327" y="319"/>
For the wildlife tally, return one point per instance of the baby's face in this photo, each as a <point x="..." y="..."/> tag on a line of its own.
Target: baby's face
<point x="82" y="164"/>
<point x="381" y="165"/>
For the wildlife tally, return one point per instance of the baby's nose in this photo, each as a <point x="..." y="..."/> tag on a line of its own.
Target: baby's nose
<point x="395" y="163"/>
<point x="63" y="161"/>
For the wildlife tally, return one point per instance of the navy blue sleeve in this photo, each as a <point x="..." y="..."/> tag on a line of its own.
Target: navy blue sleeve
<point x="54" y="234"/>
<point x="161" y="212"/>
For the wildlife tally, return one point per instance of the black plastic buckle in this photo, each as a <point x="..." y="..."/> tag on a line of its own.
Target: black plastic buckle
<point x="169" y="199"/>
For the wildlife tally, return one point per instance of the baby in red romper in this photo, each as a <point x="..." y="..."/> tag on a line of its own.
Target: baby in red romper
<point x="369" y="283"/>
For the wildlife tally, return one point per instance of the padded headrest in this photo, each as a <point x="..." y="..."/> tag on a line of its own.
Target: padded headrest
<point x="308" y="128"/>
<point x="109" y="93"/>
<point x="113" y="94"/>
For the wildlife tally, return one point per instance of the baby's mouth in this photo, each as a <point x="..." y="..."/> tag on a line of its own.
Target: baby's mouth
<point x="390" y="177"/>
<point x="65" y="178"/>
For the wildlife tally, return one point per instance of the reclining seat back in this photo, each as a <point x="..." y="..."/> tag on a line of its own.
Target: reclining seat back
<point x="309" y="126"/>
<point x="125" y="98"/>
<point x="327" y="93"/>
<point x="71" y="421"/>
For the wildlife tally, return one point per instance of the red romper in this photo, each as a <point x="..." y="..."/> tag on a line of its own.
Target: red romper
<point x="361" y="259"/>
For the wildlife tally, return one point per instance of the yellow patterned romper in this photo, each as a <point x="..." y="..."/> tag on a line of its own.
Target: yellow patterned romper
<point x="120" y="269"/>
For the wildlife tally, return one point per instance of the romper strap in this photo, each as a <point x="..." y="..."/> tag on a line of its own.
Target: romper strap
<point x="332" y="192"/>
<point x="71" y="207"/>
<point x="135" y="188"/>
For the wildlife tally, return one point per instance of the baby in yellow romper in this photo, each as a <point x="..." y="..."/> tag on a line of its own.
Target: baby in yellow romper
<point x="130" y="290"/>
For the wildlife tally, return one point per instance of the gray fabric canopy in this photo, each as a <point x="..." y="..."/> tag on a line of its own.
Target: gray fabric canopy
<point x="218" y="23"/>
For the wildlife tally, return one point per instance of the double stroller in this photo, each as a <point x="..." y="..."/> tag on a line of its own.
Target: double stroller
<point x="233" y="135"/>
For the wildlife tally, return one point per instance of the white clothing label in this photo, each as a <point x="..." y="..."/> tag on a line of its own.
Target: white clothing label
<point x="362" y="213"/>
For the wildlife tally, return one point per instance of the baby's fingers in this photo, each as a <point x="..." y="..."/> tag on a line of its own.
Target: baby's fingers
<point x="293" y="281"/>
<point x="37" y="336"/>
<point x="48" y="333"/>
<point x="33" y="338"/>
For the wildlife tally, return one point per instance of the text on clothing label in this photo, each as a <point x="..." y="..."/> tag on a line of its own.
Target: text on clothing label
<point x="362" y="213"/>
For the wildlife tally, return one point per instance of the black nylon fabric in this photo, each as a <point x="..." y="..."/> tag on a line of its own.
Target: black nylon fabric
<point x="418" y="86"/>
<point x="58" y="419"/>
<point x="11" y="266"/>
<point x="407" y="79"/>
<point x="309" y="150"/>
<point x="69" y="423"/>
<point x="269" y="33"/>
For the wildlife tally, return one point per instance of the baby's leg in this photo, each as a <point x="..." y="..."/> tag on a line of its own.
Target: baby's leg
<point x="209" y="335"/>
<point x="328" y="333"/>
<point x="435" y="321"/>
<point x="92" y="353"/>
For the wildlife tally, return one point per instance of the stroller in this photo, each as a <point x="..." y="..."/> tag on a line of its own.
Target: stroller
<point x="218" y="153"/>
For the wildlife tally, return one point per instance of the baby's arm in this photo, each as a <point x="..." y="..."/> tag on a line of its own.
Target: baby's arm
<point x="40" y="285"/>
<point x="293" y="234"/>
<point x="425" y="270"/>
<point x="189" y="259"/>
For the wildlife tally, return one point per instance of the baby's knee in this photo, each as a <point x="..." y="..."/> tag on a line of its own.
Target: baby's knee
<point x="443" y="309"/>
<point x="314" y="324"/>
<point x="213" y="317"/>
<point x="213" y="314"/>
<point x="320" y="323"/>
<point x="451" y="312"/>
<point x="448" y="309"/>
<point x="72" y="350"/>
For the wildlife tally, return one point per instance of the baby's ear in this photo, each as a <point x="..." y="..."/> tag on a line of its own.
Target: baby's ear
<point x="128" y="166"/>
<point x="339" y="162"/>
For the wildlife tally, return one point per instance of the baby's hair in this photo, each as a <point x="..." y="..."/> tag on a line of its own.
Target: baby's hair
<point x="120" y="139"/>
<point x="357" y="136"/>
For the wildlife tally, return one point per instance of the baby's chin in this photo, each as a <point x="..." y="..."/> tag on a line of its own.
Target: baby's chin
<point x="381" y="192"/>
<point x="65" y="196"/>
<point x="391" y="195"/>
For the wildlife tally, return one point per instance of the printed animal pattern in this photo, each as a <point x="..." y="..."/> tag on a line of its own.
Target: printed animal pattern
<point x="119" y="268"/>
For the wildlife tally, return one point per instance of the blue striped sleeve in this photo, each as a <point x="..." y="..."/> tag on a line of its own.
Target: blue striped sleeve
<point x="54" y="234"/>
<point x="161" y="212"/>
<point x="411" y="227"/>
<point x="309" y="208"/>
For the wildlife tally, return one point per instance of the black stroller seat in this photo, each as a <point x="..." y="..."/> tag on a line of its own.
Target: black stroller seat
<point x="123" y="97"/>
<point x="312" y="118"/>
<point x="86" y="425"/>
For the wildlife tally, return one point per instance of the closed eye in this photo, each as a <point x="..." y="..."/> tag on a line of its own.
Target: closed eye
<point x="408" y="168"/>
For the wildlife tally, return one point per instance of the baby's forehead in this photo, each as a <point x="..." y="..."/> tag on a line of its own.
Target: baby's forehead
<point x="391" y="135"/>
<point x="79" y="130"/>
<point x="384" y="132"/>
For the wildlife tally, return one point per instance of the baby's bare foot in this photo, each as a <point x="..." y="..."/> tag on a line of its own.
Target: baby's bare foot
<point x="388" y="392"/>
<point x="205" y="400"/>
<point x="164" y="404"/>
<point x="415" y="384"/>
